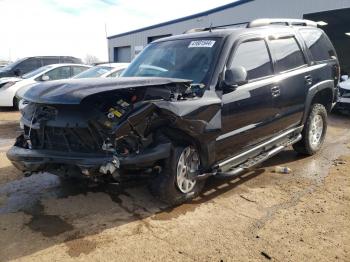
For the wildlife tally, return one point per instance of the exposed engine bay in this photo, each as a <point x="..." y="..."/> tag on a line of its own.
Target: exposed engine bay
<point x="113" y="131"/>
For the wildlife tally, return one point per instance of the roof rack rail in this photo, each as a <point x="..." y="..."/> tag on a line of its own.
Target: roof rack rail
<point x="281" y="21"/>
<point x="202" y="29"/>
<point x="195" y="30"/>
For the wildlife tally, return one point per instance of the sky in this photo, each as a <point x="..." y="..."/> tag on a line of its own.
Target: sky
<point x="77" y="27"/>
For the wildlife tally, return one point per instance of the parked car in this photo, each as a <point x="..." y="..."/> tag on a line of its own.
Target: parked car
<point x="10" y="85"/>
<point x="344" y="94"/>
<point x="212" y="103"/>
<point x="104" y="70"/>
<point x="28" y="64"/>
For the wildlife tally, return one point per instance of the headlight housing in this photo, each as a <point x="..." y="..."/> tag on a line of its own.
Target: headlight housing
<point x="22" y="104"/>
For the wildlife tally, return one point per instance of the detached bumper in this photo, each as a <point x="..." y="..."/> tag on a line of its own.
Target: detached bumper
<point x="36" y="160"/>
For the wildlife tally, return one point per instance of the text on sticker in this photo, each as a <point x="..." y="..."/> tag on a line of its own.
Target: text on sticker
<point x="201" y="43"/>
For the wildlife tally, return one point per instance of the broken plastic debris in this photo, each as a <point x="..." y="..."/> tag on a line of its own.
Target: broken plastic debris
<point x="282" y="170"/>
<point x="338" y="162"/>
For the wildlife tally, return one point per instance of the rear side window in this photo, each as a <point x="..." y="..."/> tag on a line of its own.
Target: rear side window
<point x="287" y="53"/>
<point x="318" y="43"/>
<point x="254" y="57"/>
<point x="50" y="60"/>
<point x="78" y="69"/>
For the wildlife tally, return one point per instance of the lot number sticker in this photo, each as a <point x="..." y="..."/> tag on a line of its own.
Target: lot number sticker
<point x="201" y="43"/>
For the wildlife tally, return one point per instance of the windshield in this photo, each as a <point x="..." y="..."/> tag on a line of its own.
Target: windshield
<point x="12" y="65"/>
<point x="96" y="71"/>
<point x="187" y="59"/>
<point x="36" y="71"/>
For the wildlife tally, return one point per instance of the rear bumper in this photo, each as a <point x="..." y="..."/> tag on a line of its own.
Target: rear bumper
<point x="37" y="160"/>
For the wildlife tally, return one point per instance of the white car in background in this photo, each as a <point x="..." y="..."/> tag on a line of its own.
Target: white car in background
<point x="10" y="85"/>
<point x="104" y="70"/>
<point x="343" y="102"/>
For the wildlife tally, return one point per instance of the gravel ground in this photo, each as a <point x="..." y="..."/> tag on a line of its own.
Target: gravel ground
<point x="302" y="216"/>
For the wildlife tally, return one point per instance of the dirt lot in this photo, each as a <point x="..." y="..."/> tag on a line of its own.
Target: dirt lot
<point x="302" y="216"/>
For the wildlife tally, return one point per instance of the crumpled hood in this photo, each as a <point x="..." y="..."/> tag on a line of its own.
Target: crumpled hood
<point x="73" y="91"/>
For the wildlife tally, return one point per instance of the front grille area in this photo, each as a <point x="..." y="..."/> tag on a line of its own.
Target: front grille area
<point x="82" y="140"/>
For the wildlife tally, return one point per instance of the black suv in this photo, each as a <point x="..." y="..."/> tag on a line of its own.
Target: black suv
<point x="28" y="64"/>
<point x="210" y="103"/>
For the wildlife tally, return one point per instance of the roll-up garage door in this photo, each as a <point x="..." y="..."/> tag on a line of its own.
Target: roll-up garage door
<point x="122" y="54"/>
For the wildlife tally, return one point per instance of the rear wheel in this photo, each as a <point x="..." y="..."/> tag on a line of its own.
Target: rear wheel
<point x="175" y="186"/>
<point x="314" y="131"/>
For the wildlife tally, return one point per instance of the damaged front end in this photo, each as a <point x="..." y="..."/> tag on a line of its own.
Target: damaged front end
<point x="110" y="128"/>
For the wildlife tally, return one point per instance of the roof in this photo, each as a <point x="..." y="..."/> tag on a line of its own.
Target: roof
<point x="222" y="32"/>
<point x="205" y="13"/>
<point x="114" y="65"/>
<point x="65" y="64"/>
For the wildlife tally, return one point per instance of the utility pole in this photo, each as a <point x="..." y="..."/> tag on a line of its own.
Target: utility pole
<point x="107" y="42"/>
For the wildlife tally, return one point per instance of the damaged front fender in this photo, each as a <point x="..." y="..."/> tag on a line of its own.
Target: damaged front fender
<point x="197" y="121"/>
<point x="134" y="120"/>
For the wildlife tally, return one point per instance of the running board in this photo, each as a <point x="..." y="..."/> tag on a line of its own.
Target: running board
<point x="250" y="163"/>
<point x="251" y="153"/>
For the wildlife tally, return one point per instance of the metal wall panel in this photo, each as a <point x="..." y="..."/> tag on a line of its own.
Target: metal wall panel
<point x="242" y="13"/>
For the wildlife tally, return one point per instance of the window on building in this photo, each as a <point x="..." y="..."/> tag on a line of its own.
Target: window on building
<point x="288" y="53"/>
<point x="254" y="57"/>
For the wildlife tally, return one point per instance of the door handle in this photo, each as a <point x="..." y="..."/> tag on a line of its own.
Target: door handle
<point x="276" y="91"/>
<point x="308" y="79"/>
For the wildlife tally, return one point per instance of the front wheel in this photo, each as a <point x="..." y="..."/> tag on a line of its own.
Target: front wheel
<point x="174" y="185"/>
<point x="314" y="131"/>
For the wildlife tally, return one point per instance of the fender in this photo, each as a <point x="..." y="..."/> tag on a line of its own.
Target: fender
<point x="198" y="119"/>
<point x="327" y="84"/>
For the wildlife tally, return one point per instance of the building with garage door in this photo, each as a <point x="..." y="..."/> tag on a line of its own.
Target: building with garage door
<point x="333" y="17"/>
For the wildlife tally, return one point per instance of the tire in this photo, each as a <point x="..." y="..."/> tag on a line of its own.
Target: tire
<point x="313" y="134"/>
<point x="165" y="186"/>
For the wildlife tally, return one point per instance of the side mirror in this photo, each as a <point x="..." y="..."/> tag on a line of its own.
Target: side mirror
<point x="17" y="72"/>
<point x="236" y="76"/>
<point x="45" y="78"/>
<point x="344" y="78"/>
